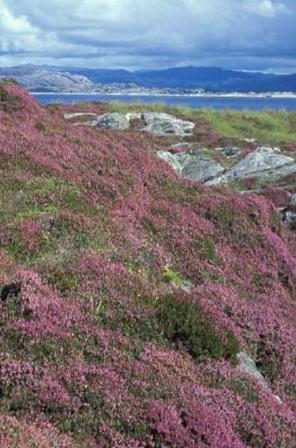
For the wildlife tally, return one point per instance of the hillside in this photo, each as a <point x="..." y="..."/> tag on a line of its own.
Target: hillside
<point x="213" y="79"/>
<point x="40" y="79"/>
<point x="139" y="309"/>
<point x="208" y="78"/>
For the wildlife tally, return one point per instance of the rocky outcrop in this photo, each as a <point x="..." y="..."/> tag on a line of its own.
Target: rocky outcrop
<point x="292" y="202"/>
<point x="69" y="116"/>
<point x="111" y="121"/>
<point x="288" y="213"/>
<point x="40" y="79"/>
<point x="290" y="219"/>
<point x="264" y="162"/>
<point x="156" y="123"/>
<point x="192" y="165"/>
<point x="247" y="365"/>
<point x="229" y="151"/>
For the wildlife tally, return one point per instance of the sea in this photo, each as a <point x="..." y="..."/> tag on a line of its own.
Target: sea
<point x="194" y="102"/>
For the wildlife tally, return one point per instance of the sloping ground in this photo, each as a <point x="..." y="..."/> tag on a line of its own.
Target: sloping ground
<point x="127" y="294"/>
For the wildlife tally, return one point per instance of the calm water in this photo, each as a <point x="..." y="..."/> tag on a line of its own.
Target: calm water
<point x="194" y="102"/>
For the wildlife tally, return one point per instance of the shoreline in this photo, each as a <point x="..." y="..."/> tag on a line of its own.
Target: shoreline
<point x="283" y="95"/>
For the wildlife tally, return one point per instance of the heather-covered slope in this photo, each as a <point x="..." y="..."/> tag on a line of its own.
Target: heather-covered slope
<point x="127" y="294"/>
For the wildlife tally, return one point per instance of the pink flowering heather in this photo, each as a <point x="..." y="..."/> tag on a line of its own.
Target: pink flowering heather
<point x="127" y="294"/>
<point x="30" y="232"/>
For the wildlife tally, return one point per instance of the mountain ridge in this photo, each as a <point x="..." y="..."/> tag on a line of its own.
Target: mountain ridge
<point x="212" y="79"/>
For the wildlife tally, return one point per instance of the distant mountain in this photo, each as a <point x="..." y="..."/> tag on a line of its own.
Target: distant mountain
<point x="207" y="78"/>
<point x="212" y="79"/>
<point x="40" y="79"/>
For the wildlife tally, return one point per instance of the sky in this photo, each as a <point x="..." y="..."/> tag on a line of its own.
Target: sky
<point x="150" y="34"/>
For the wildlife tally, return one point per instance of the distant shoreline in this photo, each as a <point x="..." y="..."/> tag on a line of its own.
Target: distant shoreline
<point x="279" y="95"/>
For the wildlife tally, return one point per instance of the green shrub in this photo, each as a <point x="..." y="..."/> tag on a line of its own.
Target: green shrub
<point x="185" y="325"/>
<point x="41" y="127"/>
<point x="170" y="276"/>
<point x="208" y="251"/>
<point x="150" y="225"/>
<point x="243" y="389"/>
<point x="8" y="103"/>
<point x="61" y="279"/>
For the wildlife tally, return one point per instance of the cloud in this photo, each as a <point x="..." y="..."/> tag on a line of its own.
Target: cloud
<point x="138" y="34"/>
<point x="12" y="24"/>
<point x="265" y="8"/>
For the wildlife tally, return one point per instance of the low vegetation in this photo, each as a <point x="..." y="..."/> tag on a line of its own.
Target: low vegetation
<point x="184" y="325"/>
<point x="126" y="294"/>
<point x="271" y="127"/>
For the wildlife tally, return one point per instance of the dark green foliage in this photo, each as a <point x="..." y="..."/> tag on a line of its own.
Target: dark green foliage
<point x="222" y="217"/>
<point x="81" y="424"/>
<point x="143" y="329"/>
<point x="275" y="222"/>
<point x="45" y="349"/>
<point x="291" y="391"/>
<point x="8" y="103"/>
<point x="150" y="225"/>
<point x="208" y="251"/>
<point x="231" y="348"/>
<point x="243" y="389"/>
<point x="268" y="360"/>
<point x="41" y="127"/>
<point x="13" y="341"/>
<point x="62" y="279"/>
<point x="17" y="401"/>
<point x="170" y="276"/>
<point x="184" y="324"/>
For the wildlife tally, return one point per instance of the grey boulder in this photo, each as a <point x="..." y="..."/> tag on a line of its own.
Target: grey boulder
<point x="156" y="123"/>
<point x="78" y="114"/>
<point x="165" y="124"/>
<point x="247" y="365"/>
<point x="187" y="286"/>
<point x="288" y="216"/>
<point x="192" y="165"/>
<point x="292" y="201"/>
<point x="111" y="121"/>
<point x="264" y="162"/>
<point x="290" y="219"/>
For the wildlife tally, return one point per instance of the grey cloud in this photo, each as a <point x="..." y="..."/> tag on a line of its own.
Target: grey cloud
<point x="140" y="34"/>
